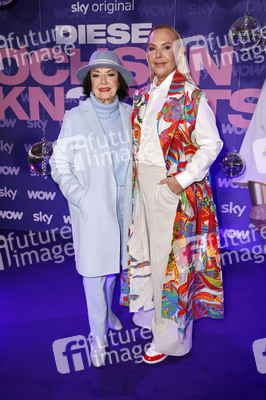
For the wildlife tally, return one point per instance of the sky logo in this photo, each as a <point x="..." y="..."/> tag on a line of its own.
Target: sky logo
<point x="71" y="354"/>
<point x="259" y="350"/>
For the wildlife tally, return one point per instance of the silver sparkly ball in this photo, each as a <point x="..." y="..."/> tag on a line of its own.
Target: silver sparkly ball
<point x="38" y="157"/>
<point x="233" y="164"/>
<point x="5" y="2"/>
<point x="262" y="44"/>
<point x="245" y="33"/>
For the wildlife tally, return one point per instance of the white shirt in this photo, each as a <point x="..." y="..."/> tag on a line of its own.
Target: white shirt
<point x="150" y="151"/>
<point x="206" y="134"/>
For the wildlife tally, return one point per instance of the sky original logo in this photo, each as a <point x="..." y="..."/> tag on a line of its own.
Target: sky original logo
<point x="79" y="8"/>
<point x="105" y="6"/>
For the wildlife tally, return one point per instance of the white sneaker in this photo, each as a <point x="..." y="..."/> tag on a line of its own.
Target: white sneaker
<point x="153" y="356"/>
<point x="98" y="351"/>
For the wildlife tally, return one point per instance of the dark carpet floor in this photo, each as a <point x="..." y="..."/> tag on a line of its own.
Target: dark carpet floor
<point x="43" y="302"/>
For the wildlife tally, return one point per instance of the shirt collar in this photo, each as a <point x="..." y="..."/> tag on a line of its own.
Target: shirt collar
<point x="164" y="85"/>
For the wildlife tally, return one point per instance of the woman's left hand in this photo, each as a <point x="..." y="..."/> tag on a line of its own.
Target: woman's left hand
<point x="173" y="184"/>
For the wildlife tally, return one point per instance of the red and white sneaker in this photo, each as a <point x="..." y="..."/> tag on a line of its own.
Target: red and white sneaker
<point x="152" y="356"/>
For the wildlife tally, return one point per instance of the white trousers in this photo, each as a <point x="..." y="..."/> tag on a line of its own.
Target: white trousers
<point x="160" y="205"/>
<point x="99" y="290"/>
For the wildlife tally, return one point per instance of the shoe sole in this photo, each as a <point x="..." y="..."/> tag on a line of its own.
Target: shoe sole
<point x="156" y="361"/>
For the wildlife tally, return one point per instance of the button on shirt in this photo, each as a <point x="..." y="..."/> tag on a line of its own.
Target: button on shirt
<point x="150" y="151"/>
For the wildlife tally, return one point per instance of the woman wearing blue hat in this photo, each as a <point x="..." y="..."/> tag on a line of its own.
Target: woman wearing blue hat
<point x="92" y="164"/>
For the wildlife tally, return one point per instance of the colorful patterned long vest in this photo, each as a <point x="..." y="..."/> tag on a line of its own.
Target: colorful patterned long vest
<point x="193" y="282"/>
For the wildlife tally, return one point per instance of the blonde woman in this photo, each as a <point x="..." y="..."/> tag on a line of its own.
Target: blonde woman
<point x="175" y="265"/>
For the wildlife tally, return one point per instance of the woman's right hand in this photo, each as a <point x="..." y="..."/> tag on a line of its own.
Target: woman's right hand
<point x="173" y="184"/>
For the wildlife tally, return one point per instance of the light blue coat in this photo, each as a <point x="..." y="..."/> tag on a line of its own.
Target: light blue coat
<point x="82" y="166"/>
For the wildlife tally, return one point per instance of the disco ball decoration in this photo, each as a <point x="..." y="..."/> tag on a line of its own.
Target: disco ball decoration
<point x="262" y="44"/>
<point x="38" y="157"/>
<point x="233" y="164"/>
<point x="4" y="3"/>
<point x="245" y="33"/>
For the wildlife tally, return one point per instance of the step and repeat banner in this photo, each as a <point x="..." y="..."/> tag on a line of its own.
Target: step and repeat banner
<point x="42" y="44"/>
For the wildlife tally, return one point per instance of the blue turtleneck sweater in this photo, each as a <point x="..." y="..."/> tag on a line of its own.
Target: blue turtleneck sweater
<point x="110" y="119"/>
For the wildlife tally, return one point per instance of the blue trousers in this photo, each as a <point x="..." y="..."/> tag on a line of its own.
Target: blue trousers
<point x="99" y="290"/>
